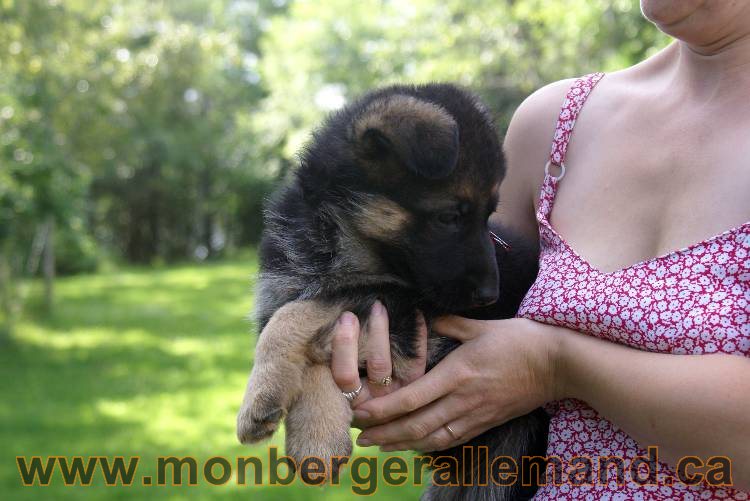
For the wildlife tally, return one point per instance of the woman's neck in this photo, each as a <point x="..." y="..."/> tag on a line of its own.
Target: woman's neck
<point x="720" y="70"/>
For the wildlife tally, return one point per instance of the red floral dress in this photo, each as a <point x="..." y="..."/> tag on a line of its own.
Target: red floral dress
<point x="694" y="300"/>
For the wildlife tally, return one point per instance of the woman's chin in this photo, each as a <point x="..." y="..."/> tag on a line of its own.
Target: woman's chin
<point x="670" y="13"/>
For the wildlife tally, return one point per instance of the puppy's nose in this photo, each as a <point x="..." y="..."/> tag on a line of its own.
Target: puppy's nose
<point x="484" y="295"/>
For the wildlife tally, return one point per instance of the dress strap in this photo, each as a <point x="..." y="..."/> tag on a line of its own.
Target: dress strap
<point x="571" y="107"/>
<point x="574" y="100"/>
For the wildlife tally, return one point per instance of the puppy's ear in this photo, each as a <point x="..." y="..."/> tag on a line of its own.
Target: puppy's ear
<point x="422" y="135"/>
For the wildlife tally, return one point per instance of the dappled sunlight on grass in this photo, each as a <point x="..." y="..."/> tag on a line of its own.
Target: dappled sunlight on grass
<point x="139" y="363"/>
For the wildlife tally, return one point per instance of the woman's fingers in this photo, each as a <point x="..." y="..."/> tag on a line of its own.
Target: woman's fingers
<point x="344" y="355"/>
<point x="439" y="381"/>
<point x="463" y="329"/>
<point x="439" y="440"/>
<point x="418" y="365"/>
<point x="378" y="351"/>
<point x="417" y="425"/>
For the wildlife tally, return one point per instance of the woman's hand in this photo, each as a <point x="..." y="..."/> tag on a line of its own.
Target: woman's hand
<point x="502" y="370"/>
<point x="506" y="368"/>
<point x="377" y="353"/>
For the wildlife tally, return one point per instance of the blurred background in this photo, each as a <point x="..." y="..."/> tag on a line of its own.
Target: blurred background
<point x="138" y="139"/>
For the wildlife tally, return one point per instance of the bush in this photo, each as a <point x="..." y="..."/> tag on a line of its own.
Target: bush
<point x="76" y="252"/>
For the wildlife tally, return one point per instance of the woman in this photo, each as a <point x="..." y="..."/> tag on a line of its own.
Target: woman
<point x="660" y="160"/>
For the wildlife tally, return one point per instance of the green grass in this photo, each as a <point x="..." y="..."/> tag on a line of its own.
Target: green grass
<point x="141" y="363"/>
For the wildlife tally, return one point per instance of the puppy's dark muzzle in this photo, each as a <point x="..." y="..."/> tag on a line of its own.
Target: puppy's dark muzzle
<point x="484" y="296"/>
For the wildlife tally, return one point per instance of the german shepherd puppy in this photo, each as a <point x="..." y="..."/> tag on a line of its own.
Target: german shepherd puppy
<point x="390" y="201"/>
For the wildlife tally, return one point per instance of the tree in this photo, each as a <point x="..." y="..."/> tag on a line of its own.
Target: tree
<point x="43" y="180"/>
<point x="502" y="50"/>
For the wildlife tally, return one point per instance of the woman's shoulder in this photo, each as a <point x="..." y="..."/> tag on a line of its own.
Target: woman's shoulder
<point x="533" y="123"/>
<point x="527" y="146"/>
<point x="530" y="133"/>
<point x="546" y="100"/>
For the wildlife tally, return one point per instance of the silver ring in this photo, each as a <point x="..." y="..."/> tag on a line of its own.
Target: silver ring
<point x="562" y="170"/>
<point x="351" y="395"/>
<point x="450" y="430"/>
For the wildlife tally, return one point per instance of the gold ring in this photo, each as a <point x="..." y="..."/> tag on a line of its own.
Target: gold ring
<point x="383" y="382"/>
<point x="450" y="430"/>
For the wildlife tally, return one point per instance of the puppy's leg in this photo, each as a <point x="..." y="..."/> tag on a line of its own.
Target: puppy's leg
<point x="318" y="421"/>
<point x="281" y="357"/>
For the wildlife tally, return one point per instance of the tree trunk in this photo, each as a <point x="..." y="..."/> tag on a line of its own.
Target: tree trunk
<point x="6" y="299"/>
<point x="37" y="247"/>
<point x="49" y="265"/>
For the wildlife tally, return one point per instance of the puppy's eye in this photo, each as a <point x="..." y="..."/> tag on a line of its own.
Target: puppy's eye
<point x="448" y="218"/>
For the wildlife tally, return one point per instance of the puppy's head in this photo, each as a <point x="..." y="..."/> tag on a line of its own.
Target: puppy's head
<point x="421" y="172"/>
<point x="402" y="134"/>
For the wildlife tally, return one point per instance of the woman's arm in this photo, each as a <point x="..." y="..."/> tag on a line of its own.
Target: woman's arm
<point x="526" y="147"/>
<point x="686" y="405"/>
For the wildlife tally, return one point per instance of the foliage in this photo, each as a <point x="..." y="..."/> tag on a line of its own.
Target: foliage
<point x="502" y="50"/>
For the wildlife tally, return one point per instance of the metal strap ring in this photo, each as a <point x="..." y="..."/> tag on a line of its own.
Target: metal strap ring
<point x="562" y="170"/>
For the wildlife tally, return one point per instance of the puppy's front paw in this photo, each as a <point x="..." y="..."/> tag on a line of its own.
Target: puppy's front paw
<point x="318" y="422"/>
<point x="320" y="440"/>
<point x="272" y="386"/>
<point x="265" y="404"/>
<point x="258" y="419"/>
<point x="317" y="439"/>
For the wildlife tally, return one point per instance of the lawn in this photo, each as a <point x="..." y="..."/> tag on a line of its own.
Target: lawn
<point x="139" y="362"/>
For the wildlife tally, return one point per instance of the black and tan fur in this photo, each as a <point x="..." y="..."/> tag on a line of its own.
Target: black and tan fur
<point x="390" y="201"/>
